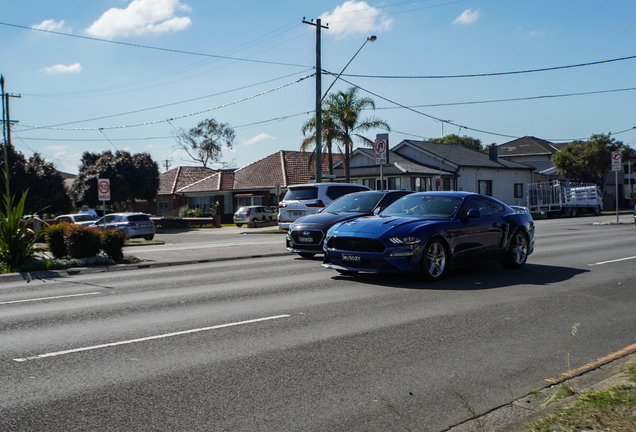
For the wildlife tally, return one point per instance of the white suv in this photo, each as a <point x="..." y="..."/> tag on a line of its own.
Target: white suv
<point x="306" y="199"/>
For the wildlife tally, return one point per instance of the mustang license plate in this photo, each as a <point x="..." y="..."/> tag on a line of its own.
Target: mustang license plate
<point x="351" y="258"/>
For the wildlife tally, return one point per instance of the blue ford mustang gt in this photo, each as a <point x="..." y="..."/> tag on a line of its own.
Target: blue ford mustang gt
<point x="431" y="232"/>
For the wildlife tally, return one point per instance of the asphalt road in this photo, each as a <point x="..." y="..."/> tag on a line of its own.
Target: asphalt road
<point x="280" y="343"/>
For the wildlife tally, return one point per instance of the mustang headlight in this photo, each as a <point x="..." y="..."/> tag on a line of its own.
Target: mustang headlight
<point x="408" y="240"/>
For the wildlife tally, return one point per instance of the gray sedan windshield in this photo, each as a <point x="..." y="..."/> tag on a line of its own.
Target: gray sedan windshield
<point x="355" y="203"/>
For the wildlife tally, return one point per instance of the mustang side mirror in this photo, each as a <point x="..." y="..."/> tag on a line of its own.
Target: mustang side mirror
<point x="473" y="213"/>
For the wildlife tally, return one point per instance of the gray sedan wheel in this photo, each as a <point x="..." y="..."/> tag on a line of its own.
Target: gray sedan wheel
<point x="517" y="251"/>
<point x="434" y="260"/>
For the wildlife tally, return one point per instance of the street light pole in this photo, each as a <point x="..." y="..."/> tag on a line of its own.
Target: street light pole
<point x="369" y="39"/>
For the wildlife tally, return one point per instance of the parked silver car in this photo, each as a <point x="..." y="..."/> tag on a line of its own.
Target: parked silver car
<point x="77" y="219"/>
<point x="253" y="215"/>
<point x="131" y="224"/>
<point x="307" y="199"/>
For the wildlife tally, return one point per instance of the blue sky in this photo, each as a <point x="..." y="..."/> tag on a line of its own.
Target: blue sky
<point x="119" y="74"/>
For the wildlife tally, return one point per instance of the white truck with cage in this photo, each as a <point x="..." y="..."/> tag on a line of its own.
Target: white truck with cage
<point x="564" y="198"/>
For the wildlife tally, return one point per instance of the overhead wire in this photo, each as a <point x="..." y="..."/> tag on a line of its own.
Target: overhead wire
<point x="152" y="47"/>
<point x="174" y="118"/>
<point x="177" y="103"/>
<point x="546" y="69"/>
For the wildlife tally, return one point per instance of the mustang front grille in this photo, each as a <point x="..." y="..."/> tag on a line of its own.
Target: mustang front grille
<point x="355" y="244"/>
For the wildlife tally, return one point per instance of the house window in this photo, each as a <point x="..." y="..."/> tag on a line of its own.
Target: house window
<point x="201" y="202"/>
<point x="162" y="208"/>
<point x="485" y="187"/>
<point x="370" y="183"/>
<point x="380" y="186"/>
<point x="419" y="184"/>
<point x="518" y="190"/>
<point x="246" y="201"/>
<point x="395" y="183"/>
<point x="449" y="184"/>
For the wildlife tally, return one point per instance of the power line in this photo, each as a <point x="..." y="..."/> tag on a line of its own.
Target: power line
<point x="488" y="74"/>
<point x="151" y="47"/>
<point x="175" y="103"/>
<point x="169" y="119"/>
<point x="513" y="99"/>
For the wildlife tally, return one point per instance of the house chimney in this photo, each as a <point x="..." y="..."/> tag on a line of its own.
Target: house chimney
<point x="492" y="152"/>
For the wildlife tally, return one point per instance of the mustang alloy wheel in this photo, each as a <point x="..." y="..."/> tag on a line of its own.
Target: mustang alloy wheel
<point x="434" y="260"/>
<point x="517" y="251"/>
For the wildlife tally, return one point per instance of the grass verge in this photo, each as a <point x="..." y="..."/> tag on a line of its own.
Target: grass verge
<point x="612" y="409"/>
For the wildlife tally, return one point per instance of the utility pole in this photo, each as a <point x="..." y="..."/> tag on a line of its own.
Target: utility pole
<point x="318" y="26"/>
<point x="167" y="164"/>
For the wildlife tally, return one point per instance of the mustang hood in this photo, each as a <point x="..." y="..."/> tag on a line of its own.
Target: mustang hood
<point x="380" y="225"/>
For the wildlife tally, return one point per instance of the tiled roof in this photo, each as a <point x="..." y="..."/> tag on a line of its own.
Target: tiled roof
<point x="463" y="156"/>
<point x="398" y="165"/>
<point x="180" y="177"/>
<point x="527" y="146"/>
<point x="283" y="167"/>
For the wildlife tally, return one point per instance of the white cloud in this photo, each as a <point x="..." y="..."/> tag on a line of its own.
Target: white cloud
<point x="469" y="16"/>
<point x="141" y="17"/>
<point x="259" y="138"/>
<point x="49" y="25"/>
<point x="355" y="17"/>
<point x="533" y="33"/>
<point x="74" y="68"/>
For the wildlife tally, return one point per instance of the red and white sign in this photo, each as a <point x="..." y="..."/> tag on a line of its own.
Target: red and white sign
<point x="617" y="162"/>
<point x="103" y="189"/>
<point x="380" y="151"/>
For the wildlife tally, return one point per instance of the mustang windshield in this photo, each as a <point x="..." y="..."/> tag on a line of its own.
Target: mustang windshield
<point x="424" y="205"/>
<point x="354" y="203"/>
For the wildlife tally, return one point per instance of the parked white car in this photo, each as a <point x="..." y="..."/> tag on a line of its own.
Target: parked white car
<point x="77" y="219"/>
<point x="253" y="215"/>
<point x="310" y="198"/>
<point x="131" y="224"/>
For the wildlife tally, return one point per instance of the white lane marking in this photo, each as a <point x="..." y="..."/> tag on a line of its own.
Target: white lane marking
<point x="149" y="338"/>
<point x="612" y="261"/>
<point x="49" y="298"/>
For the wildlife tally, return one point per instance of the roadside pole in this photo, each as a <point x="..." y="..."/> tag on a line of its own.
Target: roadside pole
<point x="617" y="165"/>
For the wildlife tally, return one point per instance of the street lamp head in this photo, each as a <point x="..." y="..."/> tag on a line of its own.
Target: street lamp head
<point x="372" y="38"/>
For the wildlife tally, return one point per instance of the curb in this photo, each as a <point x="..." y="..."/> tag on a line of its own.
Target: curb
<point x="74" y="271"/>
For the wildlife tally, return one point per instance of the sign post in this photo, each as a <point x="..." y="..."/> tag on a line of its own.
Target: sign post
<point x="381" y="147"/>
<point x="103" y="193"/>
<point x="617" y="165"/>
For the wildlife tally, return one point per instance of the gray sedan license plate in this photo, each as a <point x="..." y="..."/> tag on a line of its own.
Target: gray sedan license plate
<point x="351" y="258"/>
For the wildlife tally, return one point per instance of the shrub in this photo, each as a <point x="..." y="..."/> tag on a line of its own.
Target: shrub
<point x="186" y="211"/>
<point x="113" y="243"/>
<point x="55" y="238"/>
<point x="17" y="242"/>
<point x="82" y="242"/>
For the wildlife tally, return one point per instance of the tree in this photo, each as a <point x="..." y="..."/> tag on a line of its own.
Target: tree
<point x="204" y="142"/>
<point x="131" y="178"/>
<point x="342" y="122"/>
<point x="465" y="141"/>
<point x="45" y="184"/>
<point x="329" y="138"/>
<point x="589" y="161"/>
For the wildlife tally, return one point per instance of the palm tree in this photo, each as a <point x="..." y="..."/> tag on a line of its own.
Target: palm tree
<point x="343" y="111"/>
<point x="328" y="138"/>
